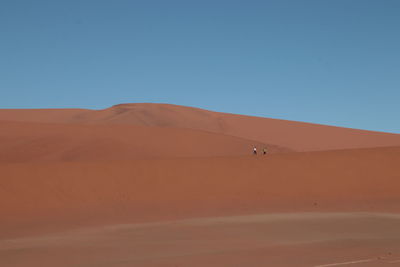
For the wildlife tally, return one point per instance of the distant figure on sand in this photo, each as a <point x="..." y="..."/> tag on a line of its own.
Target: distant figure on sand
<point x="264" y="150"/>
<point x="255" y="150"/>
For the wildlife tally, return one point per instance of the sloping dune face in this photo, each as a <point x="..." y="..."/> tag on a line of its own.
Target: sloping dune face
<point x="51" y="194"/>
<point x="27" y="141"/>
<point x="40" y="115"/>
<point x="296" y="136"/>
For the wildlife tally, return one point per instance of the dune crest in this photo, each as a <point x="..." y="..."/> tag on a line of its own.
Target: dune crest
<point x="296" y="136"/>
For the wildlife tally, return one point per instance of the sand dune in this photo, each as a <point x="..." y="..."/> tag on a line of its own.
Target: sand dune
<point x="293" y="135"/>
<point x="25" y="142"/>
<point x="69" y="178"/>
<point x="40" y="115"/>
<point x="51" y="194"/>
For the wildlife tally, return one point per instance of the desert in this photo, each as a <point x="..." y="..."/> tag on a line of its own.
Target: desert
<point x="166" y="185"/>
<point x="213" y="133"/>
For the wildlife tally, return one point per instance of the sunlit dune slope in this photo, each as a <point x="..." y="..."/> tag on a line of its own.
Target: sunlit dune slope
<point x="40" y="115"/>
<point x="35" y="142"/>
<point x="297" y="136"/>
<point x="50" y="195"/>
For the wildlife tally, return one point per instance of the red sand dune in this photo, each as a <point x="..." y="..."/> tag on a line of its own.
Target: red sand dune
<point x="50" y="194"/>
<point x="27" y="141"/>
<point x="297" y="136"/>
<point x="150" y="163"/>
<point x="40" y="115"/>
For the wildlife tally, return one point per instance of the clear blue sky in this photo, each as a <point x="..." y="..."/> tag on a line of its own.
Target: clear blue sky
<point x="324" y="61"/>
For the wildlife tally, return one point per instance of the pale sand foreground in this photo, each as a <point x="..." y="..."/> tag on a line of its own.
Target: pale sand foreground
<point x="285" y="239"/>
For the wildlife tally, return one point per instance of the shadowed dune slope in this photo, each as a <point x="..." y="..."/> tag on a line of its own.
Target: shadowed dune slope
<point x="46" y="196"/>
<point x="35" y="142"/>
<point x="297" y="136"/>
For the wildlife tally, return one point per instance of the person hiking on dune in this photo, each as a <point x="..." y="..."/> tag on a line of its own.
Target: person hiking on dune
<point x="255" y="150"/>
<point x="264" y="150"/>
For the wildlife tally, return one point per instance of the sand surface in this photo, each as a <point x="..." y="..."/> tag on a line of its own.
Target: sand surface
<point x="50" y="142"/>
<point x="48" y="194"/>
<point x="296" y="136"/>
<point x="165" y="185"/>
<point x="291" y="239"/>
